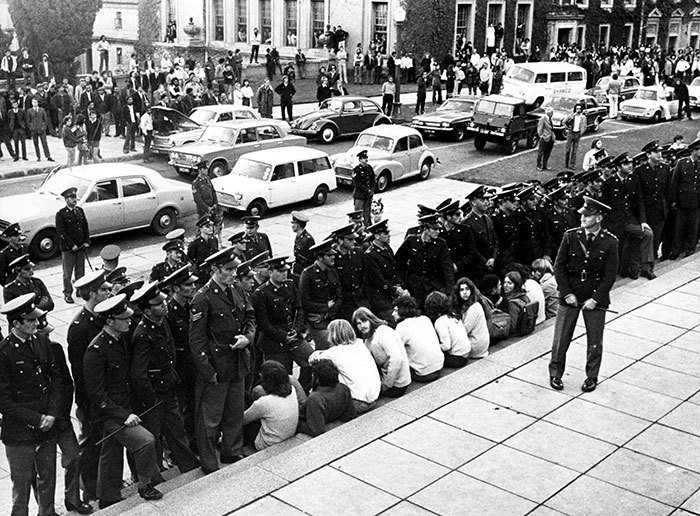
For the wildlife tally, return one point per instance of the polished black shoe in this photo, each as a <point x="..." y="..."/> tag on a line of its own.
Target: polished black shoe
<point x="673" y="256"/>
<point x="230" y="459"/>
<point x="633" y="275"/>
<point x="103" y="504"/>
<point x="556" y="383"/>
<point x="150" y="493"/>
<point x="81" y="508"/>
<point x="648" y="275"/>
<point x="68" y="299"/>
<point x="589" y="385"/>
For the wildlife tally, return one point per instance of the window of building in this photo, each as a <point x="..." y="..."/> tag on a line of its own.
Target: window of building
<point x="627" y="34"/>
<point x="674" y="29"/>
<point x="118" y="20"/>
<point x="523" y="26"/>
<point x="242" y="21"/>
<point x="694" y="34"/>
<point x="464" y="28"/>
<point x="170" y="13"/>
<point x="582" y="3"/>
<point x="290" y="22"/>
<point x="606" y="4"/>
<point x="380" y="16"/>
<point x="218" y="6"/>
<point x="581" y="36"/>
<point x="318" y="27"/>
<point x="266" y="21"/>
<point x="630" y="4"/>
<point x="651" y="33"/>
<point x="120" y="56"/>
<point x="604" y="36"/>
<point x="494" y="14"/>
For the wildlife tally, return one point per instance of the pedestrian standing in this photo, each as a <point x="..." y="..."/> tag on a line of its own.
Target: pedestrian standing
<point x="255" y="41"/>
<point x="421" y="84"/>
<point x="130" y="119"/>
<point x="300" y="60"/>
<point x="685" y="200"/>
<point x="247" y="92"/>
<point x="17" y="120"/>
<point x="205" y="198"/>
<point x="93" y="128"/>
<point x="613" y="92"/>
<point x="303" y="241"/>
<point x="266" y="99"/>
<point x="38" y="124"/>
<point x="146" y="126"/>
<point x="74" y="238"/>
<point x="286" y="91"/>
<point x="5" y="133"/>
<point x="70" y="142"/>
<point x="388" y="92"/>
<point x="364" y="182"/>
<point x="585" y="270"/>
<point x="103" y="49"/>
<point x="545" y="133"/>
<point x="655" y="179"/>
<point x="358" y="59"/>
<point x="681" y="91"/>
<point x="342" y="57"/>
<point x="575" y="124"/>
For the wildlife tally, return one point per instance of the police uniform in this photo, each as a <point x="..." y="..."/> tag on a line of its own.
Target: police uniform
<point x="20" y="286"/>
<point x="255" y="243"/>
<point x="200" y="249"/>
<point x="217" y="315"/>
<point x="685" y="198"/>
<point x="655" y="180"/>
<point x="72" y="229"/>
<point x="348" y="265"/>
<point x="165" y="268"/>
<point x="586" y="266"/>
<point x="204" y="195"/>
<point x="303" y="241"/>
<point x="530" y="235"/>
<point x="505" y="229"/>
<point x="381" y="282"/>
<point x="485" y="237"/>
<point x="363" y="181"/>
<point x="561" y="219"/>
<point x="10" y="253"/>
<point x="460" y="241"/>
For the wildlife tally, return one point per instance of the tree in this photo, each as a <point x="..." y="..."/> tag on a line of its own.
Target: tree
<point x="425" y="28"/>
<point x="149" y="28"/>
<point x="5" y="40"/>
<point x="60" y="28"/>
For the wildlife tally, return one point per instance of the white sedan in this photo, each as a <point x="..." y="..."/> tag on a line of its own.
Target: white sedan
<point x="653" y="103"/>
<point x="115" y="197"/>
<point x="694" y="91"/>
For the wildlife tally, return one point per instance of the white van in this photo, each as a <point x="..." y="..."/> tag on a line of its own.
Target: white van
<point x="537" y="82"/>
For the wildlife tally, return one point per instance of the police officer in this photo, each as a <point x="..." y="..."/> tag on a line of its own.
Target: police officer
<point x="587" y="184"/>
<point x="381" y="284"/>
<point x="348" y="264"/>
<point x="531" y="233"/>
<point x="280" y="321"/>
<point x="561" y="218"/>
<point x="255" y="242"/>
<point x="13" y="250"/>
<point x="222" y="326"/>
<point x="30" y="391"/>
<point x="261" y="269"/>
<point x="106" y="369"/>
<point x="205" y="198"/>
<point x="364" y="182"/>
<point x="685" y="199"/>
<point x="502" y="217"/>
<point x="485" y="236"/>
<point x="320" y="292"/>
<point x="202" y="247"/>
<point x="174" y="251"/>
<point x="585" y="270"/>
<point x="154" y="376"/>
<point x="459" y="238"/>
<point x="423" y="262"/>
<point x="118" y="279"/>
<point x="238" y="242"/>
<point x="110" y="257"/>
<point x="26" y="283"/>
<point x="303" y="241"/>
<point x="74" y="237"/>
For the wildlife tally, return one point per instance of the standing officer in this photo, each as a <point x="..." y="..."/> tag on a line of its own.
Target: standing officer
<point x="348" y="264"/>
<point x="561" y="219"/>
<point x="174" y="251"/>
<point x="485" y="236"/>
<point x="655" y="178"/>
<point x="685" y="199"/>
<point x="364" y="182"/>
<point x="74" y="237"/>
<point x="530" y="231"/>
<point x="459" y="238"/>
<point x="320" y="292"/>
<point x="585" y="270"/>
<point x="203" y="247"/>
<point x="13" y="250"/>
<point x="503" y="223"/>
<point x="255" y="242"/>
<point x="106" y="370"/>
<point x="222" y="326"/>
<point x="280" y="322"/>
<point x="203" y="192"/>
<point x="381" y="284"/>
<point x="154" y="377"/>
<point x="110" y="257"/>
<point x="30" y="393"/>
<point x="303" y="241"/>
<point x="26" y="283"/>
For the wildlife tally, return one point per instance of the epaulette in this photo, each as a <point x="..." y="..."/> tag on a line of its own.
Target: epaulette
<point x="605" y="231"/>
<point x="572" y="230"/>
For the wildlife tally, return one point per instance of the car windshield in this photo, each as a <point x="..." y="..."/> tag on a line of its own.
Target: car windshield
<point x="563" y="103"/>
<point x="203" y="116"/>
<point x="171" y="121"/>
<point x="696" y="82"/>
<point x="252" y="169"/>
<point x="464" y="106"/>
<point x="521" y="74"/>
<point x="490" y="107"/>
<point x="332" y="104"/>
<point x="218" y="134"/>
<point x="60" y="182"/>
<point x="645" y="95"/>
<point x="376" y="142"/>
<point x="603" y="82"/>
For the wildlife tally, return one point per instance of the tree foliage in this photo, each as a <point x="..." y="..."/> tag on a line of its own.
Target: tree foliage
<point x="5" y="39"/>
<point x="61" y="28"/>
<point x="149" y="28"/>
<point x="429" y="27"/>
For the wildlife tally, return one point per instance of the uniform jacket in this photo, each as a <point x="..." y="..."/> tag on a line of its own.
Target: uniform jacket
<point x="81" y="332"/>
<point x="685" y="184"/>
<point x="625" y="198"/>
<point x="16" y="288"/>
<point x="203" y="194"/>
<point x="179" y="322"/>
<point x="504" y="225"/>
<point x="381" y="281"/>
<point x="530" y="235"/>
<point x="162" y="270"/>
<point x="37" y="120"/>
<point x="587" y="271"/>
<point x="485" y="238"/>
<point x="7" y="256"/>
<point x="424" y="266"/>
<point x="198" y="251"/>
<point x="277" y="311"/>
<point x="460" y="242"/>
<point x="349" y="269"/>
<point x="256" y="245"/>
<point x="559" y="223"/>
<point x="656" y="190"/>
<point x="153" y="361"/>
<point x="363" y="180"/>
<point x="215" y="320"/>
<point x="317" y="286"/>
<point x="302" y="257"/>
<point x="72" y="228"/>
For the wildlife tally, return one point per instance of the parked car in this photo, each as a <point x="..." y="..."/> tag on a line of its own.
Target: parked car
<point x="630" y="85"/>
<point x="339" y="116"/>
<point x="653" y="103"/>
<point x="504" y="120"/>
<point x="221" y="144"/>
<point x="267" y="179"/>
<point x="115" y="196"/>
<point x="564" y="105"/>
<point x="172" y="128"/>
<point x="450" y="119"/>
<point x="395" y="152"/>
<point x="694" y="91"/>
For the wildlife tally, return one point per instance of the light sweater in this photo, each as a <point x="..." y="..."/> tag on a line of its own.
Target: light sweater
<point x="390" y="356"/>
<point x="550" y="289"/>
<point x="474" y="321"/>
<point x="422" y="345"/>
<point x="535" y="293"/>
<point x="453" y="336"/>
<point x="278" y="418"/>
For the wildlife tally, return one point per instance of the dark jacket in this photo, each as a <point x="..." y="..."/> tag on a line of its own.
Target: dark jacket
<point x="381" y="281"/>
<point x="285" y="92"/>
<point x="18" y="120"/>
<point x="37" y="120"/>
<point x="656" y="190"/>
<point x="72" y="228"/>
<point x="257" y="244"/>
<point x="302" y="257"/>
<point x="81" y="332"/>
<point x="624" y="196"/>
<point x="278" y="312"/>
<point x="363" y="181"/>
<point x="317" y="286"/>
<point x="424" y="266"/>
<point x="685" y="184"/>
<point x="153" y="362"/>
<point x="16" y="288"/>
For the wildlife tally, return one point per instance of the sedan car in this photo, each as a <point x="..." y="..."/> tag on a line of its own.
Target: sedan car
<point x="564" y="106"/>
<point x="653" y="103"/>
<point x="340" y="116"/>
<point x="221" y="144"/>
<point x="172" y="128"/>
<point x="268" y="179"/>
<point x="630" y="85"/>
<point x="450" y="119"/>
<point x="694" y="91"/>
<point x="395" y="152"/>
<point x="115" y="197"/>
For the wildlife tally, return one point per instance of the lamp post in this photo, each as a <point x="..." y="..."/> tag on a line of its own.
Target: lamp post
<point x="399" y="19"/>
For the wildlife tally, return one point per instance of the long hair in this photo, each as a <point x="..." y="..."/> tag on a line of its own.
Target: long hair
<point x="438" y="304"/>
<point x="461" y="304"/>
<point x="340" y="332"/>
<point x="517" y="281"/>
<point x="324" y="373"/>
<point x="274" y="379"/>
<point x="365" y="314"/>
<point x="407" y="307"/>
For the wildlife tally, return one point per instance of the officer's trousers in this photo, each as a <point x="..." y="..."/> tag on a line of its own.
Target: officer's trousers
<point x="89" y="455"/>
<point x="220" y="409"/>
<point x="27" y="463"/>
<point x="687" y="226"/>
<point x="70" y="462"/>
<point x="564" y="331"/>
<point x="636" y="249"/>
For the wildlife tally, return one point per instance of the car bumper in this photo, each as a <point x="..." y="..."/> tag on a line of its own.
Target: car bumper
<point x="183" y="167"/>
<point x="305" y="132"/>
<point x="488" y="133"/>
<point x="638" y="116"/>
<point x="432" y="129"/>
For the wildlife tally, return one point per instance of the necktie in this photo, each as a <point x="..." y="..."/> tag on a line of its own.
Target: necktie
<point x="589" y="239"/>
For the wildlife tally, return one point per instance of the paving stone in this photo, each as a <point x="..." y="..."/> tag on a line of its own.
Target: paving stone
<point x="268" y="505"/>
<point x="677" y="359"/>
<point x="668" y="315"/>
<point x="625" y="345"/>
<point x="537" y="372"/>
<point x="677" y="278"/>
<point x="560" y="445"/>
<point x="543" y="510"/>
<point x="647" y="476"/>
<point x="631" y="399"/>
<point x="692" y="288"/>
<point x="525" y="350"/>
<point x="678" y="299"/>
<point x="519" y="473"/>
<point x="693" y="503"/>
<point x="445" y="445"/>
<point x="624" y="301"/>
<point x="483" y="418"/>
<point x="610" y="365"/>
<point x="639" y="327"/>
<point x="685" y="418"/>
<point x="689" y="341"/>
<point x="406" y="509"/>
<point x="460" y="495"/>
<point x="333" y="493"/>
<point x="521" y="396"/>
<point x="660" y="380"/>
<point x="378" y="462"/>
<point x="591" y="497"/>
<point x="597" y="421"/>
<point x="670" y="445"/>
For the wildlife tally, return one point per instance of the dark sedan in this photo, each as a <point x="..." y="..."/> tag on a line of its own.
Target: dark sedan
<point x="339" y="116"/>
<point x="564" y="105"/>
<point x="630" y="85"/>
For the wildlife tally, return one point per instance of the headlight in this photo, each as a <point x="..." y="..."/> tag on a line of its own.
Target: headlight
<point x="191" y="158"/>
<point x="229" y="199"/>
<point x="314" y="126"/>
<point x="502" y="130"/>
<point x="472" y="124"/>
<point x="238" y="196"/>
<point x="445" y="124"/>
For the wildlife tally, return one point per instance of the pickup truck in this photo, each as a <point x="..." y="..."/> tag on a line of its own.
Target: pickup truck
<point x="504" y="120"/>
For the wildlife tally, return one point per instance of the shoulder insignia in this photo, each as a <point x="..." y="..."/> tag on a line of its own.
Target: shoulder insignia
<point x="195" y="316"/>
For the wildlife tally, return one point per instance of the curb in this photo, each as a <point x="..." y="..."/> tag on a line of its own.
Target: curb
<point x="38" y="170"/>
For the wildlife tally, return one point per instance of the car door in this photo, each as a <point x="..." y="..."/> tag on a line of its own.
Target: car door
<point x="672" y="103"/>
<point x="402" y="155"/>
<point x="350" y="119"/>
<point x="269" y="137"/>
<point x="415" y="150"/>
<point x="246" y="141"/>
<point x="370" y="111"/>
<point x="103" y="207"/>
<point x="140" y="201"/>
<point x="284" y="185"/>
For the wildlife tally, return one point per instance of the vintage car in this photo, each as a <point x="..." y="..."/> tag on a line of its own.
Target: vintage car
<point x="339" y="116"/>
<point x="395" y="152"/>
<point x="503" y="120"/>
<point x="268" y="179"/>
<point x="564" y="106"/>
<point x="221" y="144"/>
<point x="450" y="119"/>
<point x="694" y="92"/>
<point x="653" y="103"/>
<point x="115" y="196"/>
<point x="172" y="128"/>
<point x="630" y="85"/>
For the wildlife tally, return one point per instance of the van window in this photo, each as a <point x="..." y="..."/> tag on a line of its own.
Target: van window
<point x="521" y="74"/>
<point x="285" y="171"/>
<point x="557" y="77"/>
<point x="575" y="76"/>
<point x="309" y="166"/>
<point x="495" y="108"/>
<point x="267" y="132"/>
<point x="541" y="78"/>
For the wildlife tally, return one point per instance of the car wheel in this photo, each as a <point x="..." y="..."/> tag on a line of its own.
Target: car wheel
<point x="512" y="145"/>
<point x="328" y="134"/>
<point x="425" y="169"/>
<point x="479" y="143"/>
<point x="320" y="196"/>
<point x="218" y="169"/>
<point x="533" y="140"/>
<point x="44" y="245"/>
<point x="596" y="124"/>
<point x="257" y="208"/>
<point x="383" y="180"/>
<point x="459" y="133"/>
<point x="164" y="221"/>
<point x="657" y="117"/>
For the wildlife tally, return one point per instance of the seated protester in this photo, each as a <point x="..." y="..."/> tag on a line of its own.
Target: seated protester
<point x="454" y="341"/>
<point x="329" y="400"/>
<point x="492" y="291"/>
<point x="387" y="350"/>
<point x="258" y="392"/>
<point x="420" y="340"/>
<point x="354" y="362"/>
<point x="466" y="299"/>
<point x="277" y="410"/>
<point x="543" y="272"/>
<point x="532" y="288"/>
<point x="516" y="297"/>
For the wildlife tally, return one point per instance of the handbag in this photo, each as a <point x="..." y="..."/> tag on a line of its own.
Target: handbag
<point x="498" y="325"/>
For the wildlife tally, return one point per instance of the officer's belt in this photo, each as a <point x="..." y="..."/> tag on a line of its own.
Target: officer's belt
<point x="584" y="275"/>
<point x="24" y="398"/>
